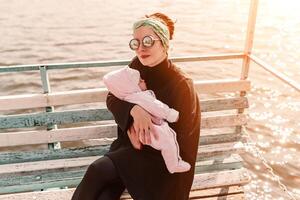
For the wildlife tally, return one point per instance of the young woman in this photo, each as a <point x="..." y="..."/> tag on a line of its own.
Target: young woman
<point x="134" y="90"/>
<point x="141" y="169"/>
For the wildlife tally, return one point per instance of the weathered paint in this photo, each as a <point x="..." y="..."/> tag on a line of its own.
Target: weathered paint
<point x="45" y="119"/>
<point x="76" y="116"/>
<point x="71" y="177"/>
<point x="204" y="152"/>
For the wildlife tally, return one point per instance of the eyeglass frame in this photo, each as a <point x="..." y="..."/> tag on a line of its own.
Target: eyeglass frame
<point x="139" y="43"/>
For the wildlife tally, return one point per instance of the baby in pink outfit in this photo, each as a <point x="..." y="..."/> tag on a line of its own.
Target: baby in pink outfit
<point x="126" y="84"/>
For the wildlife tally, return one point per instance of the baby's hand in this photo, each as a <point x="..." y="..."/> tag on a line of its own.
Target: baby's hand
<point x="142" y="85"/>
<point x="156" y="120"/>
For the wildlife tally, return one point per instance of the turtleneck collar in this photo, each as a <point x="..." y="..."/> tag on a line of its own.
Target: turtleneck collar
<point x="157" y="76"/>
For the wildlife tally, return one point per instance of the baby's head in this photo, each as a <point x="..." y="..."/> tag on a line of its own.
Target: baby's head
<point x="142" y="84"/>
<point x="133" y="77"/>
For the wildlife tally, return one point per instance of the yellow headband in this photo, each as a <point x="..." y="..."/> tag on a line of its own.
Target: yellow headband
<point x="158" y="27"/>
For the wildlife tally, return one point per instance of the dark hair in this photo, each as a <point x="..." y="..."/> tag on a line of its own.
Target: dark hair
<point x="164" y="19"/>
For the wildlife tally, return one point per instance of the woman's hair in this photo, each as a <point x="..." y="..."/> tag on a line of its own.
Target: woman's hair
<point x="164" y="19"/>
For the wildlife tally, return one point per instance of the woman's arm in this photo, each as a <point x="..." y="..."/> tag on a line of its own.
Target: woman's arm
<point x="187" y="127"/>
<point x="146" y="99"/>
<point x="120" y="110"/>
<point x="126" y="113"/>
<point x="187" y="104"/>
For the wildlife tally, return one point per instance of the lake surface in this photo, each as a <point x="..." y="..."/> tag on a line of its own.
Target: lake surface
<point x="56" y="31"/>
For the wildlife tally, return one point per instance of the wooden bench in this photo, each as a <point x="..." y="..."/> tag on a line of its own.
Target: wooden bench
<point x="30" y="174"/>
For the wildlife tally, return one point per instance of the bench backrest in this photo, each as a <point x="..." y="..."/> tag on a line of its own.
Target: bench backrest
<point x="38" y="168"/>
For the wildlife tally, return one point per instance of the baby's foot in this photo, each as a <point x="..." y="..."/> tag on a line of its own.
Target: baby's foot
<point x="181" y="167"/>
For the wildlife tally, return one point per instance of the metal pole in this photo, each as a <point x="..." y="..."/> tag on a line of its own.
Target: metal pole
<point x="276" y="73"/>
<point x="46" y="88"/>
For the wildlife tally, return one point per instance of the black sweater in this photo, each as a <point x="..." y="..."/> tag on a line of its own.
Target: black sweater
<point x="143" y="171"/>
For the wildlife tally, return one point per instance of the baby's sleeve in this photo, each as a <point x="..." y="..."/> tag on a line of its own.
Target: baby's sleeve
<point x="146" y="99"/>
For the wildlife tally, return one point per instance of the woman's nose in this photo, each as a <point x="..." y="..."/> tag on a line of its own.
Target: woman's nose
<point x="141" y="48"/>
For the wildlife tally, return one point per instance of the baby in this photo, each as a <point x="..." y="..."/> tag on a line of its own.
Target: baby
<point x="126" y="84"/>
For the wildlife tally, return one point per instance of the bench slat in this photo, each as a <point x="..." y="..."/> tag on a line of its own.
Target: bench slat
<point x="50" y="118"/>
<point x="233" y="161"/>
<point x="223" y="149"/>
<point x="204" y="152"/>
<point x="239" y="196"/>
<point x="57" y="135"/>
<point x="28" y="101"/>
<point x="223" y="121"/>
<point x="94" y="132"/>
<point x="87" y="115"/>
<point x="223" y="85"/>
<point x="11" y="180"/>
<point x="72" y="178"/>
<point x="223" y="104"/>
<point x="216" y="192"/>
<point x="221" y="179"/>
<point x="66" y="194"/>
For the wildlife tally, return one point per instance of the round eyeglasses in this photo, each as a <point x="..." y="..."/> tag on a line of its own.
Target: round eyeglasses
<point x="147" y="42"/>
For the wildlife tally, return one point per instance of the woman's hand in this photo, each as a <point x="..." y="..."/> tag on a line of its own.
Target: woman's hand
<point x="134" y="138"/>
<point x="142" y="124"/>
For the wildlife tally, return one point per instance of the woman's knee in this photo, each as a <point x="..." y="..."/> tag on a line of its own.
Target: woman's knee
<point x="93" y="169"/>
<point x="112" y="191"/>
<point x="102" y="169"/>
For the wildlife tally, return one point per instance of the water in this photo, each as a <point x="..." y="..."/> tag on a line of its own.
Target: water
<point x="52" y="31"/>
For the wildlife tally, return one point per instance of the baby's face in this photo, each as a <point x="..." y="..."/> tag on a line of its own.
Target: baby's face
<point x="142" y="85"/>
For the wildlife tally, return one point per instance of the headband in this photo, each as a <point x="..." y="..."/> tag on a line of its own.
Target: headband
<point x="158" y="27"/>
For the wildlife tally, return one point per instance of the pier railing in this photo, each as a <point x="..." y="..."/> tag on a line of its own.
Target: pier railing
<point x="49" y="100"/>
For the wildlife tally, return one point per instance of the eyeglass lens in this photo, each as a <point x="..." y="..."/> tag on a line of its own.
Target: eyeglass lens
<point x="147" y="41"/>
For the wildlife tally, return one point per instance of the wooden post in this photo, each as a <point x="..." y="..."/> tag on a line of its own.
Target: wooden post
<point x="249" y="38"/>
<point x="248" y="47"/>
<point x="46" y="88"/>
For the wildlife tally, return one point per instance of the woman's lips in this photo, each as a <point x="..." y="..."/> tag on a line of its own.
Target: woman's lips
<point x="144" y="56"/>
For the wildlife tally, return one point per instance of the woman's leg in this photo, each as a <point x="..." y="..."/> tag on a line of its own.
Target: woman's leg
<point x="113" y="191"/>
<point x="99" y="174"/>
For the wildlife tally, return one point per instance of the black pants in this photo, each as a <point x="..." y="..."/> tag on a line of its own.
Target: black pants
<point x="100" y="182"/>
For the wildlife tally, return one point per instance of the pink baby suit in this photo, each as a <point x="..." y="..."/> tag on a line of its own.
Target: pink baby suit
<point x="124" y="84"/>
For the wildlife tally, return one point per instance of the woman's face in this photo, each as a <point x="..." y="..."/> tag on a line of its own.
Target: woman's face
<point x="149" y="56"/>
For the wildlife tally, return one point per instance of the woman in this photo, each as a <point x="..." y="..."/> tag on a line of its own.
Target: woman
<point x="130" y="164"/>
<point x="134" y="90"/>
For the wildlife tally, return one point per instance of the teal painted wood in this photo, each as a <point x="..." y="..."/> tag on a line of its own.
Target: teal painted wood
<point x="71" y="177"/>
<point x="20" y="68"/>
<point x="75" y="116"/>
<point x="39" y="155"/>
<point x="42" y="181"/>
<point x="39" y="186"/>
<point x="42" y="176"/>
<point x="46" y="119"/>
